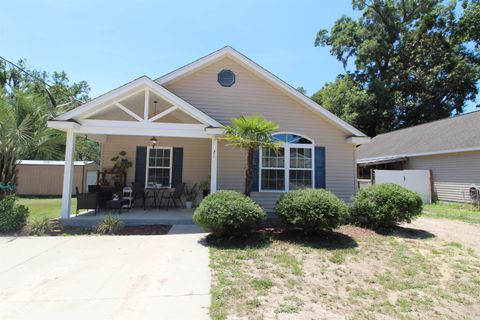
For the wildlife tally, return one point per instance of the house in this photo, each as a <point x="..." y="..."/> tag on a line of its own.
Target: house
<point x="45" y="177"/>
<point x="185" y="111"/>
<point x="450" y="148"/>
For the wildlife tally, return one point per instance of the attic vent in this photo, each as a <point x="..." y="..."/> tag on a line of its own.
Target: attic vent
<point x="226" y="78"/>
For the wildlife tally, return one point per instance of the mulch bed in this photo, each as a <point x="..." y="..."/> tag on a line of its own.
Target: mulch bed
<point x="57" y="230"/>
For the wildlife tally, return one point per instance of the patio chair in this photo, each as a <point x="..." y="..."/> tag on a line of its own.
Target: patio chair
<point x="173" y="194"/>
<point x="138" y="192"/>
<point x="87" y="200"/>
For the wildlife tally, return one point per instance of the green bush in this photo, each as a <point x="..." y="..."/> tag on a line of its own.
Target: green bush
<point x="109" y="225"/>
<point x="12" y="215"/>
<point x="39" y="227"/>
<point x="311" y="210"/>
<point x="384" y="205"/>
<point x="229" y="214"/>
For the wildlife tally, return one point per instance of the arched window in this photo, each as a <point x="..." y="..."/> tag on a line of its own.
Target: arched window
<point x="289" y="168"/>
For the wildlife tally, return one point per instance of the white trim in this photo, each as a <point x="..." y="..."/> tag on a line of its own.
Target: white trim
<point x="419" y="154"/>
<point x="215" y="131"/>
<point x="135" y="128"/>
<point x="146" y="104"/>
<point x="213" y="165"/>
<point x="128" y="111"/>
<point x="143" y="83"/>
<point x="286" y="168"/>
<point x="358" y="140"/>
<point x="63" y="125"/>
<point x="148" y="166"/>
<point x="266" y="75"/>
<point x="68" y="174"/>
<point x="163" y="113"/>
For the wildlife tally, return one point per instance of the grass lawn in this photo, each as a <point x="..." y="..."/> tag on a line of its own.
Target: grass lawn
<point x="345" y="275"/>
<point x="44" y="207"/>
<point x="453" y="211"/>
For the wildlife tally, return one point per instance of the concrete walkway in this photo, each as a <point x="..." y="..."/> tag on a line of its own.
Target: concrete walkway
<point x="104" y="277"/>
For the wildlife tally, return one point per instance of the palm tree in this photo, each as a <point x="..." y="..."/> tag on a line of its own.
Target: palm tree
<point x="251" y="133"/>
<point x="23" y="131"/>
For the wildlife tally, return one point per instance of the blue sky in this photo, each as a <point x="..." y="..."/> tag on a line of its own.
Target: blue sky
<point x="108" y="43"/>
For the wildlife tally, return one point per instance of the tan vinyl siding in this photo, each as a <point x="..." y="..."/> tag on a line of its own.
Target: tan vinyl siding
<point x="47" y="180"/>
<point x="196" y="154"/>
<point x="452" y="173"/>
<point x="252" y="95"/>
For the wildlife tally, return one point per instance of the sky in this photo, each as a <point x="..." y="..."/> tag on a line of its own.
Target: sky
<point x="109" y="43"/>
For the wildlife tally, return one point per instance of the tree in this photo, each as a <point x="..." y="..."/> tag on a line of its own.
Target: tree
<point x="251" y="133"/>
<point x="25" y="107"/>
<point x="302" y="90"/>
<point x="346" y="99"/>
<point x="415" y="60"/>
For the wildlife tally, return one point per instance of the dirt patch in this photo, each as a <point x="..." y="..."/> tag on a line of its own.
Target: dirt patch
<point x="448" y="230"/>
<point x="351" y="273"/>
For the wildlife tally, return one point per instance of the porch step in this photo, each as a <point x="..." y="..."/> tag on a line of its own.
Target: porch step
<point x="88" y="222"/>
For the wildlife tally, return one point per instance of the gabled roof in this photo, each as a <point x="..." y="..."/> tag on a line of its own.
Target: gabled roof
<point x="142" y="82"/>
<point x="455" y="134"/>
<point x="264" y="74"/>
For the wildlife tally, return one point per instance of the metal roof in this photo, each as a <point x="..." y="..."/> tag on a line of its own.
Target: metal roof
<point x="455" y="134"/>
<point x="52" y="162"/>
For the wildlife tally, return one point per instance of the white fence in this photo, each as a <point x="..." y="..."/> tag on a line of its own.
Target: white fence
<point x="415" y="180"/>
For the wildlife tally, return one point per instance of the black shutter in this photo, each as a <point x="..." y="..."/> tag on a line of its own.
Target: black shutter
<point x="256" y="170"/>
<point x="140" y="165"/>
<point x="177" y="166"/>
<point x="319" y="167"/>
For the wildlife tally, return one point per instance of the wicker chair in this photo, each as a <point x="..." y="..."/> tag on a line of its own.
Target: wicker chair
<point x="87" y="200"/>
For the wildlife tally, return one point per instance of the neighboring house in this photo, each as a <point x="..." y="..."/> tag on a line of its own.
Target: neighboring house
<point x="185" y="110"/>
<point x="45" y="177"/>
<point x="450" y="148"/>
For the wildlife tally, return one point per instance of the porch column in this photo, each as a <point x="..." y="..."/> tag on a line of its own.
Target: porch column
<point x="68" y="174"/>
<point x="213" y="167"/>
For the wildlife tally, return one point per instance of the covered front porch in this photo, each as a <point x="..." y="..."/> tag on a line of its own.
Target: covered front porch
<point x="168" y="141"/>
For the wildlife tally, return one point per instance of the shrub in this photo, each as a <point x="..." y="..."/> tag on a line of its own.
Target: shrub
<point x="12" y="215"/>
<point x="229" y="214"/>
<point x="109" y="225"/>
<point x="384" y="205"/>
<point x="311" y="210"/>
<point x="39" y="227"/>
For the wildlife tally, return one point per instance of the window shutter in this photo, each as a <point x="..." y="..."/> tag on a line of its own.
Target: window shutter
<point x="319" y="167"/>
<point x="177" y="166"/>
<point x="256" y="170"/>
<point x="140" y="165"/>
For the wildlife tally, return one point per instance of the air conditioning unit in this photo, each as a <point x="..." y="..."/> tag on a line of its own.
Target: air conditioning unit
<point x="474" y="194"/>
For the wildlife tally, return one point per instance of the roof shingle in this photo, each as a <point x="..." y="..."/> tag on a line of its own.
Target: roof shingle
<point x="459" y="132"/>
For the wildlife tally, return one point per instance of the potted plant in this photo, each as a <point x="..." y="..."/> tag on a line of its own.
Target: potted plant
<point x="205" y="187"/>
<point x="121" y="163"/>
<point x="190" y="195"/>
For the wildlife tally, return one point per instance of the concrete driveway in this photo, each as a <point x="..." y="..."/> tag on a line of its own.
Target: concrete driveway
<point x="104" y="277"/>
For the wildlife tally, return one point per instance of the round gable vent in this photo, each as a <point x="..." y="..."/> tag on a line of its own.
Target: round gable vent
<point x="226" y="78"/>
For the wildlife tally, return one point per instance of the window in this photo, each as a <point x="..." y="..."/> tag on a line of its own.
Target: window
<point x="159" y="166"/>
<point x="226" y="78"/>
<point x="291" y="167"/>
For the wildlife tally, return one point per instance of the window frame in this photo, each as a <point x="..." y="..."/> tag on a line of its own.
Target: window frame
<point x="287" y="146"/>
<point x="155" y="167"/>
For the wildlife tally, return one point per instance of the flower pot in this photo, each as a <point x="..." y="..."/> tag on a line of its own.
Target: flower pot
<point x="188" y="204"/>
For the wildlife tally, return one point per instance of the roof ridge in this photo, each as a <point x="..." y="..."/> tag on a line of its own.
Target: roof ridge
<point x="422" y="124"/>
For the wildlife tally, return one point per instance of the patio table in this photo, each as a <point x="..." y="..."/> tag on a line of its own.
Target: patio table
<point x="156" y="189"/>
